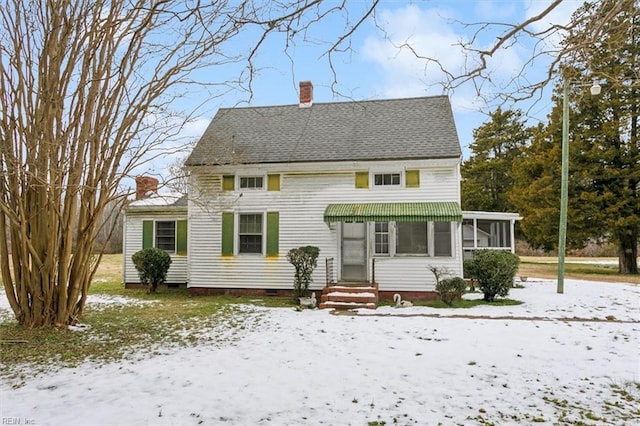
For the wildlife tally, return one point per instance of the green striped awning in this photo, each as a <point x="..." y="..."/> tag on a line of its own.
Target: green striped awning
<point x="446" y="211"/>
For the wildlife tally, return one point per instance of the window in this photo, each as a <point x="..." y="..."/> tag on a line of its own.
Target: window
<point x="166" y="236"/>
<point x="386" y="179"/>
<point x="251" y="182"/>
<point x="411" y="238"/>
<point x="442" y="239"/>
<point x="250" y="233"/>
<point x="467" y="233"/>
<point x="382" y="237"/>
<point x="496" y="233"/>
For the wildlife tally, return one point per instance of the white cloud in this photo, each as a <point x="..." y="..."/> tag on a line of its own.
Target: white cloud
<point x="492" y="10"/>
<point x="414" y="33"/>
<point x="560" y="15"/>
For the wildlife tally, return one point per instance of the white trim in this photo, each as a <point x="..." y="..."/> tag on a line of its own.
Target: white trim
<point x="372" y="180"/>
<point x="490" y="215"/>
<point x="330" y="167"/>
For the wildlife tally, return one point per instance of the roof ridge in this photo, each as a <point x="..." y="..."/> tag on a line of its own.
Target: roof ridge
<point x="409" y="98"/>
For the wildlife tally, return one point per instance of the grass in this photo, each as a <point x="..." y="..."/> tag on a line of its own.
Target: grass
<point x="547" y="267"/>
<point x="113" y="332"/>
<point x="151" y="324"/>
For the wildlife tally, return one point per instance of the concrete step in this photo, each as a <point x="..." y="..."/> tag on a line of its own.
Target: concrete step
<point x="347" y="305"/>
<point x="348" y="289"/>
<point x="349" y="297"/>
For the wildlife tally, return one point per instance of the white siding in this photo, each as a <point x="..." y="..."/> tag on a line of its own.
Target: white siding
<point x="133" y="242"/>
<point x="301" y="202"/>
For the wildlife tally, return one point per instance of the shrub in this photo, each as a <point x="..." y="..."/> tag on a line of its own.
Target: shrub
<point x="469" y="272"/>
<point x="494" y="270"/>
<point x="304" y="259"/>
<point x="451" y="289"/>
<point x="152" y="265"/>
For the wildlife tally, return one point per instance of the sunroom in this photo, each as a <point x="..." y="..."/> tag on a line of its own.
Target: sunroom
<point x="488" y="230"/>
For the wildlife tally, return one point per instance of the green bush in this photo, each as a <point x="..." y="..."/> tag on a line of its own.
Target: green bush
<point x="152" y="265"/>
<point x="469" y="272"/>
<point x="304" y="259"/>
<point x="451" y="289"/>
<point x="494" y="270"/>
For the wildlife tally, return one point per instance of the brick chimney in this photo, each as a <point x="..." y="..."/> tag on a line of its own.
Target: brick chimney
<point x="306" y="94"/>
<point x="144" y="185"/>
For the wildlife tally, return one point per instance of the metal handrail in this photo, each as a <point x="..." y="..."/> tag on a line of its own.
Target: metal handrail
<point x="329" y="271"/>
<point x="373" y="271"/>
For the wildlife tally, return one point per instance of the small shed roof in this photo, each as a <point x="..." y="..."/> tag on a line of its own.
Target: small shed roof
<point x="173" y="201"/>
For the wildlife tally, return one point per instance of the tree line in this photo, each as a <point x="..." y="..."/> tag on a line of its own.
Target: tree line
<point x="516" y="167"/>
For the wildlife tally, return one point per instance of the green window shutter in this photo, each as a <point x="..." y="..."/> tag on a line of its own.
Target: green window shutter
<point x="273" y="182"/>
<point x="227" y="234"/>
<point x="147" y="234"/>
<point x="228" y="182"/>
<point x="273" y="233"/>
<point x="412" y="178"/>
<point x="362" y="180"/>
<point x="181" y="237"/>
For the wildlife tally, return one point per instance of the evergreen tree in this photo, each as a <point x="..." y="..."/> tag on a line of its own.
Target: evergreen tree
<point x="487" y="174"/>
<point x="604" y="177"/>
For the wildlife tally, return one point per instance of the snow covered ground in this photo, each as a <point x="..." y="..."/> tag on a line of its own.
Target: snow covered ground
<point x="560" y="358"/>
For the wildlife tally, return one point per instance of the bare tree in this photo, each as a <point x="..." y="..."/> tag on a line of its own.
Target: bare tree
<point x="178" y="176"/>
<point x="542" y="33"/>
<point x="86" y="89"/>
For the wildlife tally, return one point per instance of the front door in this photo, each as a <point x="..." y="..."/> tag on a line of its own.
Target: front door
<point x="354" y="251"/>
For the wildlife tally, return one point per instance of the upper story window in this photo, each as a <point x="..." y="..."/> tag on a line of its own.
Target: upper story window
<point x="251" y="182"/>
<point x="386" y="179"/>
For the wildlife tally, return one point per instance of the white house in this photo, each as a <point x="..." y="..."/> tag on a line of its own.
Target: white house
<point x="374" y="184"/>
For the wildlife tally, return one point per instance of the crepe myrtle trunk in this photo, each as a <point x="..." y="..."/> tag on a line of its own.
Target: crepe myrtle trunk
<point x="90" y="91"/>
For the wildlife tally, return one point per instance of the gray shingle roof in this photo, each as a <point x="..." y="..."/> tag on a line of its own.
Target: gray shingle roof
<point x="415" y="128"/>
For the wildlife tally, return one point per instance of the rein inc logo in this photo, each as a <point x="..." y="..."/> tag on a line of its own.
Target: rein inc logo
<point x="17" y="421"/>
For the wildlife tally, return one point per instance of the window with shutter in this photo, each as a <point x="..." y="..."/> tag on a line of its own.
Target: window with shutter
<point x="250" y="233"/>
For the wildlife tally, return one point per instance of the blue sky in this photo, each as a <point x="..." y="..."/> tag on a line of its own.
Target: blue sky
<point x="375" y="69"/>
